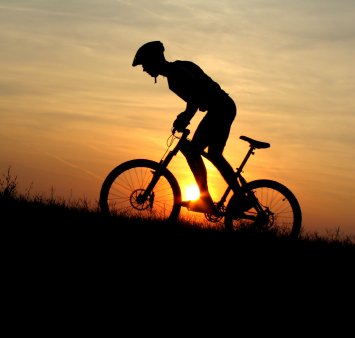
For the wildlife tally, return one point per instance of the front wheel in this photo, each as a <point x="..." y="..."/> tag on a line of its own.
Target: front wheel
<point x="274" y="207"/>
<point x="123" y="192"/>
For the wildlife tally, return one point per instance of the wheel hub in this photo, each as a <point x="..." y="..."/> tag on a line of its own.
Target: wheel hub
<point x="265" y="219"/>
<point x="136" y="200"/>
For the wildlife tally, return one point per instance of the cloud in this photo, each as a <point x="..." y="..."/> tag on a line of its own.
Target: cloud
<point x="67" y="79"/>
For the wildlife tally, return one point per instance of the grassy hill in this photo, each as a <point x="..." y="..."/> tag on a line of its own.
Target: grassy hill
<point x="55" y="252"/>
<point x="38" y="228"/>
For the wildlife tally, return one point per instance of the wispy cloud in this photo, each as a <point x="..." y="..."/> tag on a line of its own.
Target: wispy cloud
<point x="75" y="166"/>
<point x="67" y="75"/>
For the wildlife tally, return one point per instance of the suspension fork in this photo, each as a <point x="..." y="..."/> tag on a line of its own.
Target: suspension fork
<point x="162" y="166"/>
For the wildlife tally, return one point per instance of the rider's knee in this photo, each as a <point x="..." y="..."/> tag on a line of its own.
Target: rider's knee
<point x="215" y="152"/>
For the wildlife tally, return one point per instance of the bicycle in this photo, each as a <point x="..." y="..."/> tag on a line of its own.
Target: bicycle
<point x="147" y="189"/>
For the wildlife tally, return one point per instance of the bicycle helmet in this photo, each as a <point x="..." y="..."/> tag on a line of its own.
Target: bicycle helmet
<point x="148" y="52"/>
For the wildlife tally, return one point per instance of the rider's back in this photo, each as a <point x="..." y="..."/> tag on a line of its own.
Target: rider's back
<point x="190" y="82"/>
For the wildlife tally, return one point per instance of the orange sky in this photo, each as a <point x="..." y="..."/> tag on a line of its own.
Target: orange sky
<point x="72" y="107"/>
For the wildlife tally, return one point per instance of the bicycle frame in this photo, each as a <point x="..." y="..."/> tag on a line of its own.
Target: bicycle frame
<point x="148" y="190"/>
<point x="183" y="145"/>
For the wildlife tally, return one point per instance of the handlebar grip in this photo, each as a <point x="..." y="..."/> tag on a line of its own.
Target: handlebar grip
<point x="186" y="131"/>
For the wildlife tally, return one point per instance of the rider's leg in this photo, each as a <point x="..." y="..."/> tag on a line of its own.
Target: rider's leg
<point x="212" y="132"/>
<point x="224" y="168"/>
<point x="198" y="169"/>
<point x="244" y="202"/>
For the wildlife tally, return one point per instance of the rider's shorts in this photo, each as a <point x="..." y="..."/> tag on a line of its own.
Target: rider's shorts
<point x="213" y="131"/>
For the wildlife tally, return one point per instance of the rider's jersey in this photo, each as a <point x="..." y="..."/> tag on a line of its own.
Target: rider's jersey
<point x="188" y="81"/>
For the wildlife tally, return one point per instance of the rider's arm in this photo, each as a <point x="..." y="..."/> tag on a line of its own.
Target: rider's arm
<point x="190" y="111"/>
<point x="183" y="119"/>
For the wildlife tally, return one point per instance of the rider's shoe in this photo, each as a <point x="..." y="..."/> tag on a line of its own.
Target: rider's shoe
<point x="243" y="203"/>
<point x="203" y="205"/>
<point x="247" y="203"/>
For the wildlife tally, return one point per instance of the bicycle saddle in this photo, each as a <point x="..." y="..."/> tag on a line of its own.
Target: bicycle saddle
<point x="254" y="143"/>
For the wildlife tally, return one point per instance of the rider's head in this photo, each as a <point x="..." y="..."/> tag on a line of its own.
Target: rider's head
<point x="151" y="57"/>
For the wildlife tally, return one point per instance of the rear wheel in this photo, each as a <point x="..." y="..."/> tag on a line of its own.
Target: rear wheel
<point x="276" y="209"/>
<point x="122" y="192"/>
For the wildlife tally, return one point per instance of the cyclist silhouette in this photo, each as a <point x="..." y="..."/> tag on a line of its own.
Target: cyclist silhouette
<point x="200" y="92"/>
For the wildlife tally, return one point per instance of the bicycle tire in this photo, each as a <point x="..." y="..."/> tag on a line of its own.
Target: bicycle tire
<point x="285" y="216"/>
<point x="120" y="189"/>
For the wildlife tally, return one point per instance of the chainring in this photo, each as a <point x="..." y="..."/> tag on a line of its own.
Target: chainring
<point x="213" y="218"/>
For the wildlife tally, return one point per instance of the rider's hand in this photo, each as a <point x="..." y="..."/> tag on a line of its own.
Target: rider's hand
<point x="181" y="122"/>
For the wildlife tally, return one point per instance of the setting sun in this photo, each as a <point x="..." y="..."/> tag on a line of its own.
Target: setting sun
<point x="192" y="193"/>
<point x="73" y="107"/>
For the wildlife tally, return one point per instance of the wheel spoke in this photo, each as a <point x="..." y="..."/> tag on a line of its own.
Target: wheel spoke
<point x="122" y="193"/>
<point x="281" y="209"/>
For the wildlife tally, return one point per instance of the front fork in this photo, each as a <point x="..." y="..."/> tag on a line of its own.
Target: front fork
<point x="148" y="193"/>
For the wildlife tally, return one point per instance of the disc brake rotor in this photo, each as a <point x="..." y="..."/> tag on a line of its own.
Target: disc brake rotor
<point x="265" y="219"/>
<point x="134" y="200"/>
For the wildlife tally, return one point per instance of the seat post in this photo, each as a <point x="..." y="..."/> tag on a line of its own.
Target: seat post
<point x="250" y="152"/>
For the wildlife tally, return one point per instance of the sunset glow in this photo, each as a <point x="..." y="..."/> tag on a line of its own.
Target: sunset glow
<point x="192" y="193"/>
<point x="72" y="107"/>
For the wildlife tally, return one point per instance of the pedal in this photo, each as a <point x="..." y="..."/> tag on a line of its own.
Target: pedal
<point x="197" y="206"/>
<point x="185" y="204"/>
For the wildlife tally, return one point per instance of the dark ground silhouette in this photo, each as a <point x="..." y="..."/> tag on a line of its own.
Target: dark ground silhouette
<point x="40" y="232"/>
<point x="145" y="270"/>
<point x="43" y="236"/>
